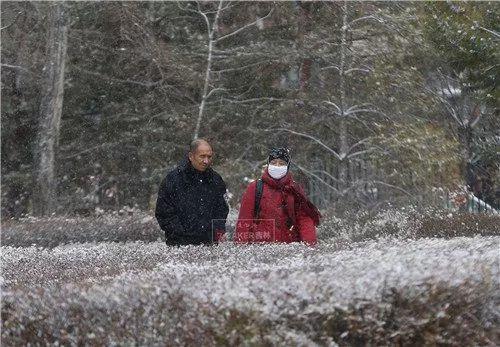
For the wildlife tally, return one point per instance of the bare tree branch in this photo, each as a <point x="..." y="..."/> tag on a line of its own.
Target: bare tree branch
<point x="359" y="143"/>
<point x="244" y="27"/>
<point x="118" y="80"/>
<point x="318" y="178"/>
<point x="494" y="33"/>
<point x="16" y="67"/>
<point x="330" y="67"/>
<point x="365" y="110"/>
<point x="356" y="154"/>
<point x="357" y="69"/>
<point x="13" y="22"/>
<point x="354" y="107"/>
<point x="336" y="155"/>
<point x="256" y="99"/>
<point x="186" y="8"/>
<point x="331" y="103"/>
<point x="245" y="66"/>
<point x="365" y="18"/>
<point x="327" y="174"/>
<point x="215" y="90"/>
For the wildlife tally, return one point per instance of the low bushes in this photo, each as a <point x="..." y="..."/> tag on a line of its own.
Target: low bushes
<point x="53" y="231"/>
<point x="407" y="223"/>
<point x="435" y="314"/>
<point x="429" y="291"/>
<point x="352" y="227"/>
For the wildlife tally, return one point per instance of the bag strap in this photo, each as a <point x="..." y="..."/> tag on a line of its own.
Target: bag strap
<point x="258" y="195"/>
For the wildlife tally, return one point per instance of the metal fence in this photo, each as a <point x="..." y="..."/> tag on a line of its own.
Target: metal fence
<point x="470" y="203"/>
<point x="476" y="205"/>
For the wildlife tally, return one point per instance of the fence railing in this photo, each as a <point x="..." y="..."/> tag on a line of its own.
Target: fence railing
<point x="470" y="203"/>
<point x="476" y="205"/>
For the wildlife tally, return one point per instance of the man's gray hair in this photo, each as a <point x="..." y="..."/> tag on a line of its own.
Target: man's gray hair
<point x="193" y="146"/>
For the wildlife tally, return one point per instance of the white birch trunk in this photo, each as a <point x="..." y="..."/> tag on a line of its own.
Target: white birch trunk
<point x="211" y="30"/>
<point x="343" y="144"/>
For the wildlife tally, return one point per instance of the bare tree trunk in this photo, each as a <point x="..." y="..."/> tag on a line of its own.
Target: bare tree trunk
<point x="343" y="145"/>
<point x="213" y="39"/>
<point x="466" y="114"/>
<point x="204" y="96"/>
<point x="50" y="110"/>
<point x="305" y="65"/>
<point x="465" y="139"/>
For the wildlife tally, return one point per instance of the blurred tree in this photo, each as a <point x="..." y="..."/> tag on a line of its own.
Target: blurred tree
<point x="23" y="45"/>
<point x="46" y="146"/>
<point x="464" y="39"/>
<point x="359" y="90"/>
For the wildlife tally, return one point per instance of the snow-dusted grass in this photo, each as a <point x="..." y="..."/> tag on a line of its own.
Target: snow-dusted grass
<point x="384" y="291"/>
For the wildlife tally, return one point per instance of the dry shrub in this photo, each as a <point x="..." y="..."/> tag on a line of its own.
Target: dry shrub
<point x="53" y="231"/>
<point x="71" y="319"/>
<point x="434" y="314"/>
<point x="430" y="315"/>
<point x="464" y="224"/>
<point x="407" y="223"/>
<point x="351" y="227"/>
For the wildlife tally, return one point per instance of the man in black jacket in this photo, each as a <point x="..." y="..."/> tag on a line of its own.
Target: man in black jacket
<point x="191" y="208"/>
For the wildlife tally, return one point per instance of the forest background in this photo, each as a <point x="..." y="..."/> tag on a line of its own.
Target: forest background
<point x="381" y="103"/>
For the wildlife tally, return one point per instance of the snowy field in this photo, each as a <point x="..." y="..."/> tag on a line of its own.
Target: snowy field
<point x="385" y="291"/>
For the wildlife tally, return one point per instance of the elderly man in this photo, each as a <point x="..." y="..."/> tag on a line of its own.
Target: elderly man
<point x="191" y="208"/>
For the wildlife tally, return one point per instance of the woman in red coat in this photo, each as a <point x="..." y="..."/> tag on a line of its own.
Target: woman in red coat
<point x="283" y="214"/>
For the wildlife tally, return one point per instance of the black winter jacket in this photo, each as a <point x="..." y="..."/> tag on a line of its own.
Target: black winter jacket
<point x="191" y="205"/>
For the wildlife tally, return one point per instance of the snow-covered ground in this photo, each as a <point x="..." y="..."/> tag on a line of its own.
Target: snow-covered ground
<point x="273" y="280"/>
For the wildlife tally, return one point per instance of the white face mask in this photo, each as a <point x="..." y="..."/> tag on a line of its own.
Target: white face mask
<point x="277" y="172"/>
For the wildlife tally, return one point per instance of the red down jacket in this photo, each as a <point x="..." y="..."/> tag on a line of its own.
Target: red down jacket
<point x="282" y="201"/>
